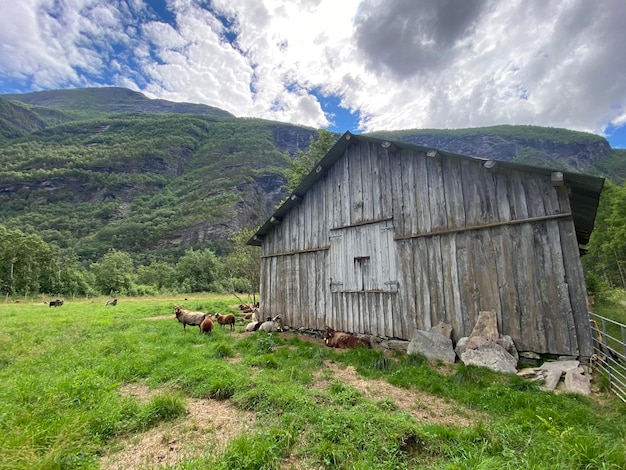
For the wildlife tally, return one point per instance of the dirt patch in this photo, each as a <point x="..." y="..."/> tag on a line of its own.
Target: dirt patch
<point x="423" y="406"/>
<point x="206" y="429"/>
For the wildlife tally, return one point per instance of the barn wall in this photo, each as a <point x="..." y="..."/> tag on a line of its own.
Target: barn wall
<point x="464" y="239"/>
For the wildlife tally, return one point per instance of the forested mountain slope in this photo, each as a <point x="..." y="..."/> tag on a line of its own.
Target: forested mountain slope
<point x="101" y="168"/>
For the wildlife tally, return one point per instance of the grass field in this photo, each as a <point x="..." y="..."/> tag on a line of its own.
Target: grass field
<point x="89" y="386"/>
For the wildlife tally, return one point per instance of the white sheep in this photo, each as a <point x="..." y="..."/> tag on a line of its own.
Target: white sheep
<point x="275" y="324"/>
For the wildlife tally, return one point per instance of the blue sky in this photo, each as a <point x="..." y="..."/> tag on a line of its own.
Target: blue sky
<point x="358" y="65"/>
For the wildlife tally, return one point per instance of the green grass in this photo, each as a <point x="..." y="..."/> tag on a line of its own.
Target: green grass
<point x="62" y="373"/>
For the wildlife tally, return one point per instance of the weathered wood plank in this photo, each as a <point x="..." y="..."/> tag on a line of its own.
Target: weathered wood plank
<point x="453" y="189"/>
<point x="519" y="206"/>
<point x="407" y="290"/>
<point x="375" y="183"/>
<point x="471" y="196"/>
<point x="528" y="280"/>
<point x="565" y="319"/>
<point x="503" y="195"/>
<point x="386" y="190"/>
<point x="435" y="276"/>
<point x="421" y="273"/>
<point x="436" y="194"/>
<point x="451" y="285"/>
<point x="468" y="290"/>
<point x="509" y="316"/>
<point x="346" y="197"/>
<point x="367" y="183"/>
<point x="575" y="278"/>
<point x="420" y="204"/>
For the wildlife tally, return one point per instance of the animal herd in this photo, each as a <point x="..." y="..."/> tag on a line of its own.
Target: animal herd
<point x="206" y="322"/>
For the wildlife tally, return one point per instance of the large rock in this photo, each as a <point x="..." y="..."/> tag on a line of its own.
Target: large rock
<point x="432" y="345"/>
<point x="577" y="382"/>
<point x="443" y="329"/>
<point x="490" y="355"/>
<point x="486" y="325"/>
<point x="576" y="378"/>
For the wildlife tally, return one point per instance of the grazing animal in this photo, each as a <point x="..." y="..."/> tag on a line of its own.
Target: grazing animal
<point x="245" y="308"/>
<point x="275" y="324"/>
<point x="339" y="339"/>
<point x="226" y="320"/>
<point x="56" y="303"/>
<point x="112" y="302"/>
<point x="207" y="325"/>
<point x="187" y="317"/>
<point x="253" y="326"/>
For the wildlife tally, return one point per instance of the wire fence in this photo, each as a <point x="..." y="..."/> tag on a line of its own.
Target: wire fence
<point x="609" y="345"/>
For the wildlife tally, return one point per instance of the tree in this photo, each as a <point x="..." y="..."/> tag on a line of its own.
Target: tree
<point x="26" y="263"/>
<point x="198" y="270"/>
<point x="114" y="273"/>
<point x="243" y="264"/>
<point x="158" y="274"/>
<point x="606" y="257"/>
<point x="303" y="162"/>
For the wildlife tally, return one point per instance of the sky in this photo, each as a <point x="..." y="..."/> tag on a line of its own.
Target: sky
<point x="357" y="65"/>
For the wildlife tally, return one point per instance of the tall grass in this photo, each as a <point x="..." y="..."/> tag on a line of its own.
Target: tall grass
<point x="63" y="371"/>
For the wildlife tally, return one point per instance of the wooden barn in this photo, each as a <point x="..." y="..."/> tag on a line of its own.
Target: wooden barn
<point x="385" y="237"/>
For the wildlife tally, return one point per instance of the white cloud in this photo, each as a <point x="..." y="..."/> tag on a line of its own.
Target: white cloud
<point x="400" y="63"/>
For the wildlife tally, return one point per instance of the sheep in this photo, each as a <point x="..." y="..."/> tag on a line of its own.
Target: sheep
<point x="255" y="314"/>
<point x="228" y="319"/>
<point x="275" y="324"/>
<point x="339" y="339"/>
<point x="112" y="302"/>
<point x="56" y="303"/>
<point x="253" y="326"/>
<point x="188" y="318"/>
<point x="207" y="325"/>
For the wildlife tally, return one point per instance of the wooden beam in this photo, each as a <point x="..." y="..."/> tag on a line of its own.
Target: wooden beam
<point x="481" y="227"/>
<point x="297" y="252"/>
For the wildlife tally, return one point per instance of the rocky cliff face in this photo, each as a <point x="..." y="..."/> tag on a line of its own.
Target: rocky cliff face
<point x="574" y="156"/>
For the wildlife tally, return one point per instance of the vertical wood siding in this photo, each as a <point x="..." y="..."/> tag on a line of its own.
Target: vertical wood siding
<point x="461" y="243"/>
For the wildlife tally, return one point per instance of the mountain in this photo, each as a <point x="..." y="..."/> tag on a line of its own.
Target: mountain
<point x="91" y="102"/>
<point x="100" y="168"/>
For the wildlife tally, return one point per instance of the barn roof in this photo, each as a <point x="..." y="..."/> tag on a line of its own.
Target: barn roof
<point x="584" y="189"/>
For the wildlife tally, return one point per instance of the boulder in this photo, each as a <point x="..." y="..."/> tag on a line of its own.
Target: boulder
<point x="432" y="345"/>
<point x="443" y="329"/>
<point x="461" y="345"/>
<point x="486" y="325"/>
<point x="490" y="355"/>
<point x="395" y="344"/>
<point x="576" y="382"/>
<point x="552" y="379"/>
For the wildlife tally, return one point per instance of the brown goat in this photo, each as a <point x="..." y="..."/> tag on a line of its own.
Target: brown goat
<point x="339" y="339"/>
<point x="207" y="325"/>
<point x="226" y="320"/>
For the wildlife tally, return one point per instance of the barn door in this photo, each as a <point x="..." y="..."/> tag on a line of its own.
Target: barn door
<point x="363" y="258"/>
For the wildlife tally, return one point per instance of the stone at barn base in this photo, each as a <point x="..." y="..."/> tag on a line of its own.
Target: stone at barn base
<point x="443" y="329"/>
<point x="486" y="325"/>
<point x="577" y="382"/>
<point x="485" y="346"/>
<point x="566" y="376"/>
<point x="490" y="355"/>
<point x="395" y="344"/>
<point x="433" y="346"/>
<point x="507" y="343"/>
